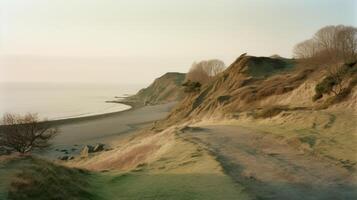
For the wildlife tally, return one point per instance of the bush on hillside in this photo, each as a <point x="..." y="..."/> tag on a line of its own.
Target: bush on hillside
<point x="345" y="92"/>
<point x="326" y="86"/>
<point x="270" y="111"/>
<point x="317" y="96"/>
<point x="335" y="82"/>
<point x="191" y="87"/>
<point x="224" y="98"/>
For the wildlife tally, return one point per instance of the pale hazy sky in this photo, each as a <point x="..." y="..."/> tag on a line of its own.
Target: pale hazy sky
<point x="135" y="41"/>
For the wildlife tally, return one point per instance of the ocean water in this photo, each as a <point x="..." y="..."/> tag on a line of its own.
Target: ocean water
<point x="62" y="100"/>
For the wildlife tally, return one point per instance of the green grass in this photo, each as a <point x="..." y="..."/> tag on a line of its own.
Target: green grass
<point x="7" y="170"/>
<point x="31" y="178"/>
<point x="35" y="179"/>
<point x="137" y="186"/>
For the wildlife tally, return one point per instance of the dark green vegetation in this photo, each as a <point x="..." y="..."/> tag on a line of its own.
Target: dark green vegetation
<point x="339" y="82"/>
<point x="309" y="139"/>
<point x="266" y="66"/>
<point x="32" y="178"/>
<point x="224" y="98"/>
<point x="191" y="86"/>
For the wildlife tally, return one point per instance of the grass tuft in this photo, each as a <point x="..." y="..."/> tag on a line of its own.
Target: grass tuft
<point x="271" y="111"/>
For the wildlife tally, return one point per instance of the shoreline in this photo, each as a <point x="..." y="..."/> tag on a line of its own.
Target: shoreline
<point x="133" y="106"/>
<point x="72" y="120"/>
<point x="74" y="133"/>
<point x="105" y="129"/>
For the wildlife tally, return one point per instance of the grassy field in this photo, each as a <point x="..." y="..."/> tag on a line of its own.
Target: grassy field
<point x="32" y="178"/>
<point x="132" y="186"/>
<point x="7" y="170"/>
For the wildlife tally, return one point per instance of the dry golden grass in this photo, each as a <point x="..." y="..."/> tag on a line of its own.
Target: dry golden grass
<point x="275" y="85"/>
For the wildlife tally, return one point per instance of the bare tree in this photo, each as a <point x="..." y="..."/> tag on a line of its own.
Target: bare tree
<point x="204" y="71"/>
<point x="330" y="44"/>
<point x="305" y="49"/>
<point x="25" y="133"/>
<point x="347" y="43"/>
<point x="326" y="38"/>
<point x="214" y="67"/>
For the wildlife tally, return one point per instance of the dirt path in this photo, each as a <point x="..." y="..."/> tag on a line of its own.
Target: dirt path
<point x="271" y="169"/>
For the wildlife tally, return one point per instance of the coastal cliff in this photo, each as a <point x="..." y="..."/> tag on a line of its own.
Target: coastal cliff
<point x="252" y="83"/>
<point x="164" y="89"/>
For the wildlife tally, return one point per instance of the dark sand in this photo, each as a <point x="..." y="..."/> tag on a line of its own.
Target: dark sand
<point x="75" y="133"/>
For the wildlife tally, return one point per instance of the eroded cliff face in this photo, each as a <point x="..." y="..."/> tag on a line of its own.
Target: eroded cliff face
<point x="278" y="100"/>
<point x="164" y="89"/>
<point x="253" y="83"/>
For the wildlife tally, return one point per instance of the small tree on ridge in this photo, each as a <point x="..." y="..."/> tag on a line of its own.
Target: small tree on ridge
<point x="204" y="71"/>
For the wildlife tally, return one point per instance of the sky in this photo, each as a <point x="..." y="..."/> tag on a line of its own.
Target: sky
<point x="122" y="41"/>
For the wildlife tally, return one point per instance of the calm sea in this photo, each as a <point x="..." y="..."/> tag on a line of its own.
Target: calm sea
<point x="62" y="100"/>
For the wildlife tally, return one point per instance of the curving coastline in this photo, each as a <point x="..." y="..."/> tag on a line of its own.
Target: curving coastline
<point x="93" y="116"/>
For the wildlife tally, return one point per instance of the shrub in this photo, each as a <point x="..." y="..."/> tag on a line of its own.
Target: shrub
<point x="317" y="96"/>
<point x="333" y="83"/>
<point x="325" y="86"/>
<point x="191" y="87"/>
<point x="224" y="98"/>
<point x="271" y="111"/>
<point x="309" y="139"/>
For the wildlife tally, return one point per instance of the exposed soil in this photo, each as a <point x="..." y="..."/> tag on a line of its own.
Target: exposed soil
<point x="272" y="169"/>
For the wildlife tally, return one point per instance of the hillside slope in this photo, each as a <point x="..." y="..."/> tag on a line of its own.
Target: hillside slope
<point x="259" y="119"/>
<point x="275" y="95"/>
<point x="164" y="89"/>
<point x="252" y="83"/>
<point x="28" y="177"/>
<point x="255" y="122"/>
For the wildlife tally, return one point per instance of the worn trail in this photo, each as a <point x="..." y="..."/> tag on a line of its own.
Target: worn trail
<point x="272" y="169"/>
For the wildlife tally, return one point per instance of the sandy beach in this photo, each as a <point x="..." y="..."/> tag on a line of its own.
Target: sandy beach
<point x="77" y="132"/>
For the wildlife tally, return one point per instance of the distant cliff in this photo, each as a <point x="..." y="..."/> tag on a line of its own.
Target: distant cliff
<point x="164" y="89"/>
